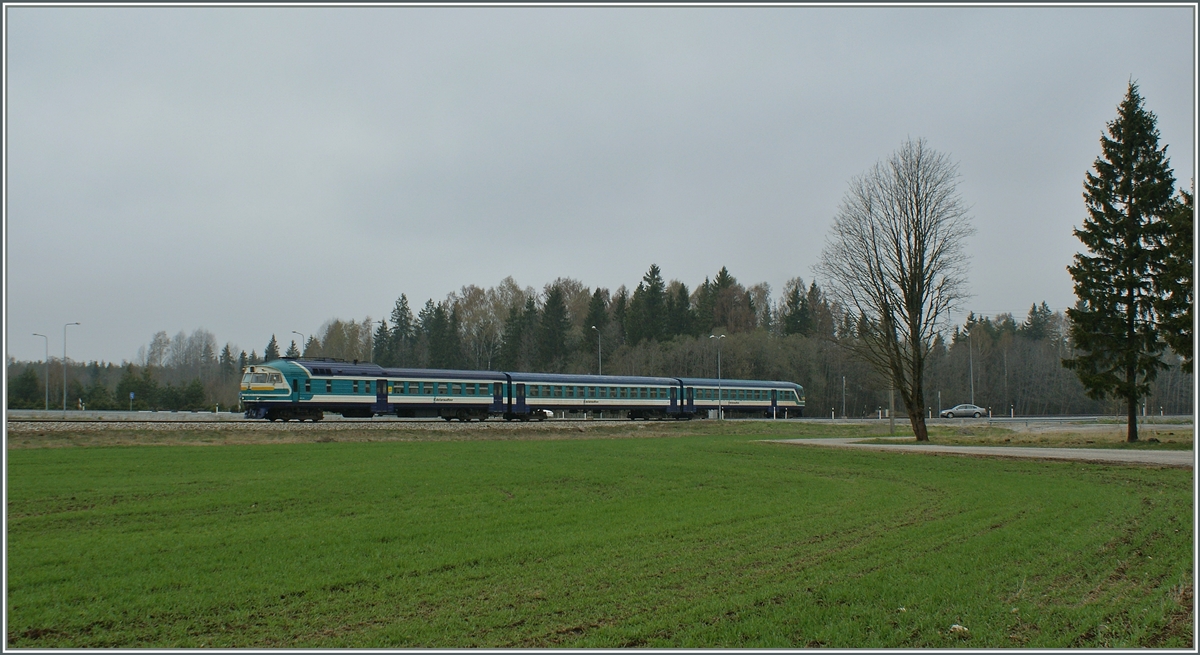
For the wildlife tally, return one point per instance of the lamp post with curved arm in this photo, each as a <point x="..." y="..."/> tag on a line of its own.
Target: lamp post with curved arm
<point x="599" y="353"/>
<point x="719" y="391"/>
<point x="65" y="365"/>
<point x="303" y="342"/>
<point x="46" y="383"/>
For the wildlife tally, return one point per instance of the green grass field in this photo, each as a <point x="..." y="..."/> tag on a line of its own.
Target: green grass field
<point x="700" y="541"/>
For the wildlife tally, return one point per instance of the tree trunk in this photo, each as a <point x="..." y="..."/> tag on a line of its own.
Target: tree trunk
<point x="918" y="425"/>
<point x="1132" y="403"/>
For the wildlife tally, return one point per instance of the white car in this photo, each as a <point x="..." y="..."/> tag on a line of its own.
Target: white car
<point x="963" y="410"/>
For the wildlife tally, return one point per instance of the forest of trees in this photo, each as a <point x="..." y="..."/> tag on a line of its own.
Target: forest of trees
<point x="658" y="328"/>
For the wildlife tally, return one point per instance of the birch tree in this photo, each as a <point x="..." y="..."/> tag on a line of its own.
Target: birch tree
<point x="895" y="258"/>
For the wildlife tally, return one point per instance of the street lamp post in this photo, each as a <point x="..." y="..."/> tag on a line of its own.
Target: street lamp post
<point x="65" y="365"/>
<point x="303" y="342"/>
<point x="971" y="364"/>
<point x="719" y="391"/>
<point x="599" y="353"/>
<point x="46" y="383"/>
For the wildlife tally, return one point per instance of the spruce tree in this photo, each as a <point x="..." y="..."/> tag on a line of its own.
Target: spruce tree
<point x="292" y="350"/>
<point x="402" y="332"/>
<point x="1174" y="279"/>
<point x="272" y="352"/>
<point x="597" y="316"/>
<point x="1113" y="324"/>
<point x="552" y="332"/>
<point x="381" y="345"/>
<point x="226" y="365"/>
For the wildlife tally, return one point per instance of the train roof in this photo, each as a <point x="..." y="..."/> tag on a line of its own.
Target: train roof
<point x="319" y="366"/>
<point x="562" y="378"/>
<point x="326" y="366"/>
<point x="714" y="382"/>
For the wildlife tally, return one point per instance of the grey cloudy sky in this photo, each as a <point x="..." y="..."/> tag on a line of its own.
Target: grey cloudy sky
<point x="258" y="170"/>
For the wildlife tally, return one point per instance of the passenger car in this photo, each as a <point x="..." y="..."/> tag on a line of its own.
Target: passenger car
<point x="963" y="410"/>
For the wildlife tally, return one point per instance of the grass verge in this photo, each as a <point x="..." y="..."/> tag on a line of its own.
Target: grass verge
<point x="706" y="541"/>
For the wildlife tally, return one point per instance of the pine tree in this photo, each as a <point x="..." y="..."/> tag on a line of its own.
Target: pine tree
<point x="272" y="352"/>
<point x="1113" y="322"/>
<point x="243" y="362"/>
<point x="292" y="350"/>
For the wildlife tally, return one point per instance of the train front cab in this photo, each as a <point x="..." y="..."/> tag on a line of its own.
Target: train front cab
<point x="273" y="393"/>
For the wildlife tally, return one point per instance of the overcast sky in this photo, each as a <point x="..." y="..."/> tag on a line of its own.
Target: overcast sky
<point x="261" y="170"/>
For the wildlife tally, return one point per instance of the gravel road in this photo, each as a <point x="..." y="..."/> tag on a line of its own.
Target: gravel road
<point x="1180" y="458"/>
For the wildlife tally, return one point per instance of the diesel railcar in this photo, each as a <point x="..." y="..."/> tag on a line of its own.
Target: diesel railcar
<point x="304" y="389"/>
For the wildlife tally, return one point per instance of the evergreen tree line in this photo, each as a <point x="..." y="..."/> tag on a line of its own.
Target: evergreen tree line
<point x="660" y="328"/>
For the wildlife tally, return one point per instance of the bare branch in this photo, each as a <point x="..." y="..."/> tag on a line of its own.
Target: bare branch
<point x="895" y="257"/>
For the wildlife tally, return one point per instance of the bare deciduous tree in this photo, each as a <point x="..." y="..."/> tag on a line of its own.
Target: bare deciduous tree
<point x="895" y="257"/>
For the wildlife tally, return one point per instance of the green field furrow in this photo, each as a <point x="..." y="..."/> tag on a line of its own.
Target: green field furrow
<point x="704" y="541"/>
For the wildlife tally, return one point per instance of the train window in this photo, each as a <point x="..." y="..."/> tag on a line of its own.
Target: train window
<point x="441" y="388"/>
<point x="329" y="386"/>
<point x="570" y="392"/>
<point x="308" y="386"/>
<point x="367" y="384"/>
<point x="456" y="389"/>
<point x="558" y="391"/>
<point x="356" y="386"/>
<point x="624" y="392"/>
<point x="591" y="392"/>
<point x="470" y="388"/>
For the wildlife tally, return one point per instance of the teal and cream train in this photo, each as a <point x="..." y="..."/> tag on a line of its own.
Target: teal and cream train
<point x="304" y="389"/>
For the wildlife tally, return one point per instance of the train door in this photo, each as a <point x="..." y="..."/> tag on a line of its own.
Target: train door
<point x="674" y="400"/>
<point x="691" y="399"/>
<point x="521" y="407"/>
<point x="497" y="397"/>
<point x="295" y="390"/>
<point x="381" y="394"/>
<point x="774" y="403"/>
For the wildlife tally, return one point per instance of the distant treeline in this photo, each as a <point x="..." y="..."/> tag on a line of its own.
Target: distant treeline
<point x="660" y="328"/>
